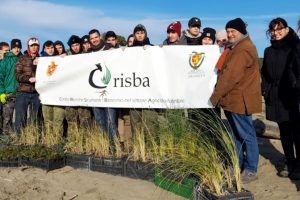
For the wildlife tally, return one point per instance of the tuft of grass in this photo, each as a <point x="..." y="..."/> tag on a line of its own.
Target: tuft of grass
<point x="30" y="135"/>
<point x="53" y="137"/>
<point x="139" y="146"/>
<point x="75" y="141"/>
<point x="204" y="148"/>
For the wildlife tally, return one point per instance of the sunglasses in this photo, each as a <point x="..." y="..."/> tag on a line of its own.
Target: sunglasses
<point x="223" y="40"/>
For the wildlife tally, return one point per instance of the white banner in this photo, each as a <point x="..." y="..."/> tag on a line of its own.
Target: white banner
<point x="155" y="77"/>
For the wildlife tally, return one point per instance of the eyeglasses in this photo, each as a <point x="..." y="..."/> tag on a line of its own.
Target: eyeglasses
<point x="278" y="30"/>
<point x="223" y="40"/>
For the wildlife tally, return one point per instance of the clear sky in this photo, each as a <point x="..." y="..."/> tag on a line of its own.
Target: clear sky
<point x="59" y="19"/>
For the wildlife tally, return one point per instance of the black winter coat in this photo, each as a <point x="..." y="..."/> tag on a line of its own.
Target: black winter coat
<point x="280" y="99"/>
<point x="294" y="72"/>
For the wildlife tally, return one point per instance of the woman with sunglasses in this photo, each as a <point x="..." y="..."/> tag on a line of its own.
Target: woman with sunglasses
<point x="280" y="98"/>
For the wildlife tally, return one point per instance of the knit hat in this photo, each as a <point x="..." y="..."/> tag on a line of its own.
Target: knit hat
<point x="237" y="24"/>
<point x="15" y="43"/>
<point x="175" y="26"/>
<point x="33" y="41"/>
<point x="73" y="40"/>
<point x="210" y="33"/>
<point x="194" y="22"/>
<point x="85" y="39"/>
<point x="110" y="34"/>
<point x="140" y="27"/>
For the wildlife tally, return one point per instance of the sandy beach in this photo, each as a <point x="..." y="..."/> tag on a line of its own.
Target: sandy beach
<point x="68" y="183"/>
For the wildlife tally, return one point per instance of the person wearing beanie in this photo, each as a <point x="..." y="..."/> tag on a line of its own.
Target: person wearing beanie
<point x="8" y="85"/>
<point x="208" y="36"/>
<point x="174" y="33"/>
<point x="77" y="116"/>
<point x="111" y="38"/>
<point x="60" y="48"/>
<point x="281" y="91"/>
<point x="191" y="36"/>
<point x="53" y="115"/>
<point x="238" y="93"/>
<point x="15" y="43"/>
<point x="26" y="95"/>
<point x="86" y="45"/>
<point x="237" y="24"/>
<point x="75" y="43"/>
<point x="140" y="36"/>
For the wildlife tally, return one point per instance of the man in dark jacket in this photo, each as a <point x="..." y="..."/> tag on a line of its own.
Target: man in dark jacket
<point x="192" y="35"/>
<point x="238" y="92"/>
<point x="8" y="84"/>
<point x="26" y="94"/>
<point x="75" y="114"/>
<point x="105" y="117"/>
<point x="140" y="36"/>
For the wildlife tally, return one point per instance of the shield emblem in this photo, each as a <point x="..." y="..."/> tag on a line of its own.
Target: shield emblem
<point x="51" y="68"/>
<point x="196" y="59"/>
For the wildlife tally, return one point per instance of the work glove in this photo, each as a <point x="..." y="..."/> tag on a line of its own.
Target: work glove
<point x="3" y="98"/>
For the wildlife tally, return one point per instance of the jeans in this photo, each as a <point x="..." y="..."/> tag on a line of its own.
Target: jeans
<point x="245" y="140"/>
<point x="23" y="101"/>
<point x="106" y="119"/>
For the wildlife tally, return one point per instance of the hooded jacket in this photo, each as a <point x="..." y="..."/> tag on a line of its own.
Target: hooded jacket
<point x="8" y="83"/>
<point x="188" y="39"/>
<point x="146" y="41"/>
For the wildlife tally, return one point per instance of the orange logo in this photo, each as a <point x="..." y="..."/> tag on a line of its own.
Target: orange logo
<point x="51" y="68"/>
<point x="196" y="59"/>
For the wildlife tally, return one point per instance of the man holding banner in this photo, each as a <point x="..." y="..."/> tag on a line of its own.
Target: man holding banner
<point x="105" y="117"/>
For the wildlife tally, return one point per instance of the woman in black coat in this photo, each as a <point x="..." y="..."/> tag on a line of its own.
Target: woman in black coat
<point x="280" y="99"/>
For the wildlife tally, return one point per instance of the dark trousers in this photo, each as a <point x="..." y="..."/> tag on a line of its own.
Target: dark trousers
<point x="106" y="118"/>
<point x="8" y="112"/>
<point x="290" y="139"/>
<point x="23" y="101"/>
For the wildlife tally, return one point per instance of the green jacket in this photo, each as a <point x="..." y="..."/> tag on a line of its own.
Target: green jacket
<point x="8" y="83"/>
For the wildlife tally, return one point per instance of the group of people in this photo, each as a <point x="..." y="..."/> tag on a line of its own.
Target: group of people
<point x="239" y="89"/>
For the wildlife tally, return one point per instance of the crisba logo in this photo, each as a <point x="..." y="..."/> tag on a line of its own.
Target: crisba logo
<point x="132" y="80"/>
<point x="105" y="78"/>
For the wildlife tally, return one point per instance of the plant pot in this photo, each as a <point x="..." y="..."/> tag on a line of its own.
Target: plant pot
<point x="139" y="170"/>
<point x="10" y="163"/>
<point x="113" y="166"/>
<point x="47" y="164"/>
<point x="202" y="193"/>
<point x="78" y="161"/>
<point x="168" y="181"/>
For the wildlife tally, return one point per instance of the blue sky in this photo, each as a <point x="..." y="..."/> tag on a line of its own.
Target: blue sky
<point x="59" y="19"/>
